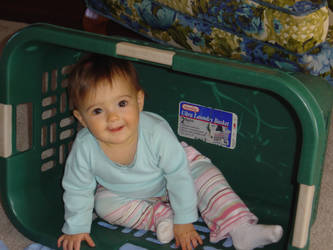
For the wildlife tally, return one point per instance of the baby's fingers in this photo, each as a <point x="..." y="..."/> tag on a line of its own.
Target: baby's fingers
<point x="77" y="245"/>
<point x="189" y="243"/>
<point x="180" y="242"/>
<point x="194" y="242"/>
<point x="186" y="244"/>
<point x="70" y="245"/>
<point x="89" y="240"/>
<point x="198" y="238"/>
<point x="61" y="238"/>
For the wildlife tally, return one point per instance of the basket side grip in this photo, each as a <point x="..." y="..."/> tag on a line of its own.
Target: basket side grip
<point x="303" y="215"/>
<point x="145" y="53"/>
<point x="5" y="130"/>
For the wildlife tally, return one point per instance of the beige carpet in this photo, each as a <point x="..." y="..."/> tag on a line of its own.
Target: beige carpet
<point x="321" y="233"/>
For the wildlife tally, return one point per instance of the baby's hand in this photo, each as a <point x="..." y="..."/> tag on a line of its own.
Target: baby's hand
<point x="73" y="241"/>
<point x="186" y="236"/>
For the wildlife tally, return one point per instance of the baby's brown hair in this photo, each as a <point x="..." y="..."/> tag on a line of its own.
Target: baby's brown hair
<point x="92" y="69"/>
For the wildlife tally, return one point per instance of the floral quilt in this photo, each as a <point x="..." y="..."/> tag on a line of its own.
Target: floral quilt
<point x="292" y="35"/>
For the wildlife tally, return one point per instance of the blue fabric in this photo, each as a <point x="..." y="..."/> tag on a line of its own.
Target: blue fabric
<point x="37" y="246"/>
<point x="228" y="242"/>
<point x="3" y="246"/>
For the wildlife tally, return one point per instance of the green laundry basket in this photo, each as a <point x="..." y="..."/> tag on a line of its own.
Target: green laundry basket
<point x="269" y="139"/>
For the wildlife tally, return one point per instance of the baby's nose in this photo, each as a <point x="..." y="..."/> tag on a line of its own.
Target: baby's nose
<point x="113" y="116"/>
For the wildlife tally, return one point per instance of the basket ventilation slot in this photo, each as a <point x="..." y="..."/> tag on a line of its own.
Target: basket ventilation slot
<point x="58" y="125"/>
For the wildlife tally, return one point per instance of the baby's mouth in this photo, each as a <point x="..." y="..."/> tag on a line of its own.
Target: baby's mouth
<point x="116" y="129"/>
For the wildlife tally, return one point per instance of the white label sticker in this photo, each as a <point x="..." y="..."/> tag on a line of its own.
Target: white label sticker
<point x="211" y="125"/>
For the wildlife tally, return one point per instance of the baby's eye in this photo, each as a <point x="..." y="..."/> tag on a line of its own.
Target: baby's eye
<point x="123" y="103"/>
<point x="97" y="111"/>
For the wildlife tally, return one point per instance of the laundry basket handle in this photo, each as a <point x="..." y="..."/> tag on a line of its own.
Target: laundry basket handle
<point x="145" y="53"/>
<point x="5" y="130"/>
<point x="303" y="215"/>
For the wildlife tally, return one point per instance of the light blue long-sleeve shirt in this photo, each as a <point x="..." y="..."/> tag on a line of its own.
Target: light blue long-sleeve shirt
<point x="160" y="167"/>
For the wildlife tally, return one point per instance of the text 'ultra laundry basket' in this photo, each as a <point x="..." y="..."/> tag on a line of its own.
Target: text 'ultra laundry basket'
<point x="265" y="129"/>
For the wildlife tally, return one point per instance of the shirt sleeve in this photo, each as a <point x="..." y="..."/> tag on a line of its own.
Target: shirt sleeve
<point x="79" y="184"/>
<point x="180" y="184"/>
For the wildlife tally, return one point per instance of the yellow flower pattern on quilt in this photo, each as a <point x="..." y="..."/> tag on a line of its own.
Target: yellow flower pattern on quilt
<point x="183" y="6"/>
<point x="297" y="33"/>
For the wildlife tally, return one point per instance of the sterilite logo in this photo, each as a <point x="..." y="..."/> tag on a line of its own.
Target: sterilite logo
<point x="190" y="108"/>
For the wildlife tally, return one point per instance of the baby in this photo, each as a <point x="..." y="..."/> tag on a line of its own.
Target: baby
<point x="128" y="165"/>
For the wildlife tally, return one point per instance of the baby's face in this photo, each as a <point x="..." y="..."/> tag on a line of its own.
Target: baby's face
<point x="111" y="113"/>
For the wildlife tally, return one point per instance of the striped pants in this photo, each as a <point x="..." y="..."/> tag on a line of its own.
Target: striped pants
<point x="219" y="205"/>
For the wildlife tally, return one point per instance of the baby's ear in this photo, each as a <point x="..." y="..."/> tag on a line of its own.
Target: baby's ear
<point x="78" y="116"/>
<point x="141" y="99"/>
